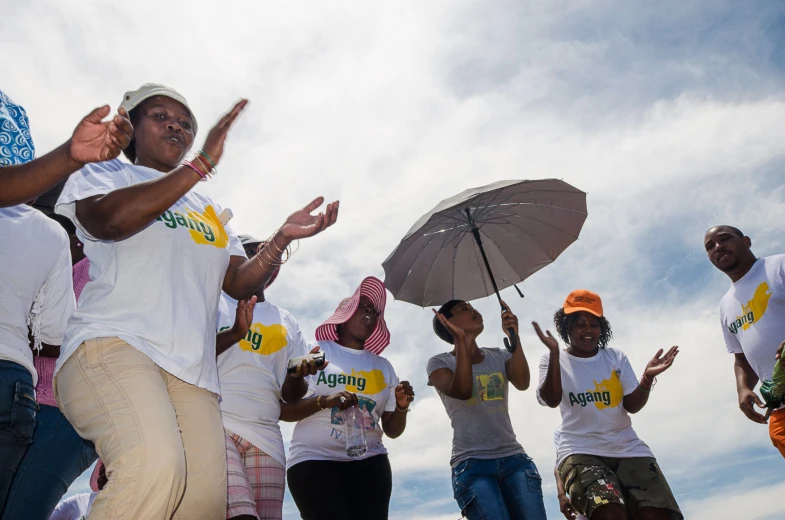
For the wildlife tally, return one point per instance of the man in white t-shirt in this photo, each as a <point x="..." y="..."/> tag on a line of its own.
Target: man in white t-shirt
<point x="254" y="344"/>
<point x="752" y="313"/>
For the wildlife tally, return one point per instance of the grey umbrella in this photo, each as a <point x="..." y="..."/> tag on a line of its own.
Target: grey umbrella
<point x="484" y="240"/>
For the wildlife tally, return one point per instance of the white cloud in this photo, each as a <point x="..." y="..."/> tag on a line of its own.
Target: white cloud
<point x="391" y="108"/>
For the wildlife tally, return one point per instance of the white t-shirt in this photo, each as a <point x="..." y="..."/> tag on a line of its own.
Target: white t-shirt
<point x="594" y="421"/>
<point x="75" y="507"/>
<point x="157" y="290"/>
<point x="252" y="373"/>
<point x="36" y="260"/>
<point x="371" y="377"/>
<point x="752" y="313"/>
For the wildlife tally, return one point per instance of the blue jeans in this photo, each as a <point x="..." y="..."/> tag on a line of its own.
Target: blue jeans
<point x="508" y="488"/>
<point x="53" y="461"/>
<point x="17" y="421"/>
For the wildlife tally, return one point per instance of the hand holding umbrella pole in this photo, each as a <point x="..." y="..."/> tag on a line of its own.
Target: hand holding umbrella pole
<point x="512" y="343"/>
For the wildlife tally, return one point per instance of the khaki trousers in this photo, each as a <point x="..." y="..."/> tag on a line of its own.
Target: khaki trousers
<point x="161" y="439"/>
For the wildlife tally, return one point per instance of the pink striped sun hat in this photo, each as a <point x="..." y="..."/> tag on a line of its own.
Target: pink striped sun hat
<point x="374" y="290"/>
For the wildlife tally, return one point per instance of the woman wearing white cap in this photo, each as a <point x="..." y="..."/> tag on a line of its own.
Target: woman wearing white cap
<point x="352" y="340"/>
<point x="137" y="372"/>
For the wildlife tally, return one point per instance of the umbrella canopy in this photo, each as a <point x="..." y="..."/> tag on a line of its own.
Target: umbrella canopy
<point x="524" y="226"/>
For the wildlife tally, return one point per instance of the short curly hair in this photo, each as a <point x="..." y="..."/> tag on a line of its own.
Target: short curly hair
<point x="564" y="321"/>
<point x="438" y="328"/>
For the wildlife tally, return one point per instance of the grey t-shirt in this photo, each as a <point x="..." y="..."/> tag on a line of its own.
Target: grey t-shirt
<point x="481" y="426"/>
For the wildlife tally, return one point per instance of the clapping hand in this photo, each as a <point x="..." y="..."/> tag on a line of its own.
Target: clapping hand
<point x="456" y="332"/>
<point x="243" y="318"/>
<point x="549" y="341"/>
<point x="660" y="363"/>
<point x="95" y="140"/>
<point x="301" y="224"/>
<point x="404" y="395"/>
<point x="214" y="143"/>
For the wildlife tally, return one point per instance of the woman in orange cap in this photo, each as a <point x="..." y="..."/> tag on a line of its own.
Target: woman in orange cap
<point x="608" y="472"/>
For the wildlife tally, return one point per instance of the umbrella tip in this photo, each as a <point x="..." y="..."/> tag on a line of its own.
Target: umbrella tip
<point x="519" y="291"/>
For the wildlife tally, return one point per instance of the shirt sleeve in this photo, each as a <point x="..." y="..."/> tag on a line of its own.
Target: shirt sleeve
<point x="390" y="405"/>
<point x="544" y="361"/>
<point x="92" y="180"/>
<point x="59" y="302"/>
<point x="300" y="347"/>
<point x="731" y="341"/>
<point x="435" y="363"/>
<point x="629" y="381"/>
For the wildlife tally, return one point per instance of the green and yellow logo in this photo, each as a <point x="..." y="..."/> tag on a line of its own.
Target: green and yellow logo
<point x="263" y="339"/>
<point x="608" y="393"/>
<point x="368" y="381"/>
<point x="753" y="311"/>
<point x="205" y="228"/>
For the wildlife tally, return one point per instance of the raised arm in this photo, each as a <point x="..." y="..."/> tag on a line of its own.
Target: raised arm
<point x="635" y="401"/>
<point x="93" y="140"/>
<point x="550" y="390"/>
<point x="124" y="212"/>
<point x="245" y="276"/>
<point x="517" y="368"/>
<point x="458" y="384"/>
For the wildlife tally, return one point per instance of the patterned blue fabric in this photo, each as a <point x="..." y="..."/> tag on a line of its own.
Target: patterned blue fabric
<point x="16" y="145"/>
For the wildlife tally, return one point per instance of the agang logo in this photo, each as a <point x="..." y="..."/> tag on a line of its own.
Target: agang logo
<point x="753" y="311"/>
<point x="369" y="381"/>
<point x="608" y="393"/>
<point x="204" y="228"/>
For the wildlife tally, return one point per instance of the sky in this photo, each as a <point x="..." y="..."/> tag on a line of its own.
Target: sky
<point x="668" y="115"/>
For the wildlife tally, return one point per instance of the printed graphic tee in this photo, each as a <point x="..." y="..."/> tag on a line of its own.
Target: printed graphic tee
<point x="157" y="290"/>
<point x="252" y="373"/>
<point x="36" y="268"/>
<point x="752" y="313"/>
<point x="371" y="377"/>
<point x="481" y="426"/>
<point x="594" y="421"/>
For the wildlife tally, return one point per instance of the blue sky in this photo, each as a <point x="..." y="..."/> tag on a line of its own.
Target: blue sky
<point x="668" y="115"/>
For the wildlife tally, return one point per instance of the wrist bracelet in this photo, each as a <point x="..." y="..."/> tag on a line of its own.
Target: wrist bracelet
<point x="404" y="410"/>
<point x="319" y="403"/>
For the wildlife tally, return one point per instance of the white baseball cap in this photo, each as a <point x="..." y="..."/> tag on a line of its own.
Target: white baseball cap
<point x="135" y="98"/>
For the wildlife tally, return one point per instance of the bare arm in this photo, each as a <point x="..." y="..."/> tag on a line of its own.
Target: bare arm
<point x="246" y="276"/>
<point x="551" y="389"/>
<point x="746" y="379"/>
<point x="458" y="384"/>
<point x="394" y="423"/>
<point x="564" y="501"/>
<point x="308" y="407"/>
<point x="635" y="401"/>
<point x="517" y="368"/>
<point x="92" y="141"/>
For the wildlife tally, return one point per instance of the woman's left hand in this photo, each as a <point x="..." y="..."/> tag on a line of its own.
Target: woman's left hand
<point x="660" y="363"/>
<point x="509" y="320"/>
<point x="404" y="394"/>
<point x="301" y="224"/>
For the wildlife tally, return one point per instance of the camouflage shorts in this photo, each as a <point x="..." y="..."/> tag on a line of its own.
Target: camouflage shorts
<point x="632" y="483"/>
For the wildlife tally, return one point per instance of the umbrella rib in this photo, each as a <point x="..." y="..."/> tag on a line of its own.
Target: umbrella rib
<point x="544" y="224"/>
<point x="560" y="208"/>
<point x="528" y="235"/>
<point x="446" y="241"/>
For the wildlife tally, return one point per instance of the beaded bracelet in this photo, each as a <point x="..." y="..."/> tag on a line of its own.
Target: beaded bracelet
<point x="194" y="168"/>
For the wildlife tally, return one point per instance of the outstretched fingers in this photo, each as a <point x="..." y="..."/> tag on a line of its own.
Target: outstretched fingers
<point x="229" y="119"/>
<point x="97" y="115"/>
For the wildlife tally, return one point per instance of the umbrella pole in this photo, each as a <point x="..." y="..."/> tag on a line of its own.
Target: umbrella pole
<point x="512" y="343"/>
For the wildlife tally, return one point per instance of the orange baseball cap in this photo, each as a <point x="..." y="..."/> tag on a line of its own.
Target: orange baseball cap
<point x="583" y="300"/>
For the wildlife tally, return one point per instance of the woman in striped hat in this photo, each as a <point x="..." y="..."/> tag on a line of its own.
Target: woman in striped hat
<point x="352" y="340"/>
